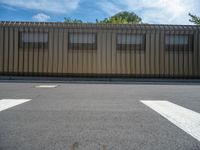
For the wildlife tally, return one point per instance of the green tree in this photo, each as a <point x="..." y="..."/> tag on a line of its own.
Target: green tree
<point x="124" y="17"/>
<point x="195" y="19"/>
<point x="70" y="20"/>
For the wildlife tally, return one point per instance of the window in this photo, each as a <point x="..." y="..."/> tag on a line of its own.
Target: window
<point x="131" y="42"/>
<point x="179" y="42"/>
<point x="33" y="40"/>
<point x="82" y="41"/>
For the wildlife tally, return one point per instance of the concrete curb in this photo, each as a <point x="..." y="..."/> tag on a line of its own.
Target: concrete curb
<point x="97" y="80"/>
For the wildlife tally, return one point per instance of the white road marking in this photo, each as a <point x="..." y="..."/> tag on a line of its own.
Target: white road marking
<point x="46" y="86"/>
<point x="8" y="103"/>
<point x="184" y="118"/>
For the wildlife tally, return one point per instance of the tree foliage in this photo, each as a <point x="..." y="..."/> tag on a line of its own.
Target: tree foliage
<point x="124" y="17"/>
<point x="70" y="20"/>
<point x="195" y="19"/>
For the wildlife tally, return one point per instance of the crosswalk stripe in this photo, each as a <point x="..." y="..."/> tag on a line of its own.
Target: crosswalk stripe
<point x="8" y="103"/>
<point x="184" y="118"/>
<point x="46" y="86"/>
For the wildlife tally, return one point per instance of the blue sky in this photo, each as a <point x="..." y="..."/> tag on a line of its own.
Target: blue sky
<point x="151" y="11"/>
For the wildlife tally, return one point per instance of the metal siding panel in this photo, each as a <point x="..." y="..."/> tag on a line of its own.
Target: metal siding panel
<point x="25" y="57"/>
<point x="94" y="56"/>
<point x="103" y="52"/>
<point x="79" y="57"/>
<point x="147" y="56"/>
<point x="108" y="52"/>
<point x="1" y="48"/>
<point x="142" y="60"/>
<point x="133" y="59"/>
<point x="41" y="56"/>
<point x="65" y="53"/>
<point x="127" y="59"/>
<point x="70" y="55"/>
<point x="152" y="53"/>
<point x="75" y="57"/>
<point x="157" y="51"/>
<point x="55" y="51"/>
<point x="99" y="48"/>
<point x="118" y="57"/>
<point x="11" y="47"/>
<point x="6" y="50"/>
<point x="162" y="54"/>
<point x="198" y="53"/>
<point x="36" y="57"/>
<point x="45" y="56"/>
<point x="30" y="56"/>
<point x="123" y="58"/>
<point x="181" y="60"/>
<point x="60" y="51"/>
<point x="50" y="50"/>
<point x="113" y="50"/>
<point x="195" y="53"/>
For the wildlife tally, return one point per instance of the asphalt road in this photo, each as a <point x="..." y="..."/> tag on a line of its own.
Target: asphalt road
<point x="94" y="117"/>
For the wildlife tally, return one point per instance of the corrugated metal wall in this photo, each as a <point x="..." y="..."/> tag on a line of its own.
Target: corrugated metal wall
<point x="57" y="60"/>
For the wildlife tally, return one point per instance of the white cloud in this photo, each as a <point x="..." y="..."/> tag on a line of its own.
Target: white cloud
<point x="41" y="17"/>
<point x="109" y="7"/>
<point x="53" y="6"/>
<point x="159" y="11"/>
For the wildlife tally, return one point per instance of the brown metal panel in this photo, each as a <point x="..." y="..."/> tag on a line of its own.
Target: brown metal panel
<point x="75" y="55"/>
<point x="41" y="54"/>
<point x="50" y="51"/>
<point x="1" y="48"/>
<point x="25" y="55"/>
<point x="99" y="48"/>
<point x="156" y="62"/>
<point x="191" y="58"/>
<point x="94" y="55"/>
<point x="142" y="56"/>
<point x="103" y="52"/>
<point x="20" y="53"/>
<point x="181" y="58"/>
<point x="36" y="55"/>
<point x="123" y="57"/>
<point x="84" y="61"/>
<point x="30" y="55"/>
<point x="118" y="56"/>
<point x="133" y="58"/>
<point x="55" y="51"/>
<point x="108" y="52"/>
<point x="162" y="53"/>
<point x="11" y="47"/>
<point x="185" y="54"/>
<point x="198" y="53"/>
<point x="127" y="57"/>
<point x="60" y="51"/>
<point x="45" y="54"/>
<point x="70" y="54"/>
<point x="65" y="53"/>
<point x="113" y="50"/>
<point x="195" y="54"/>
<point x="151" y="62"/>
<point x="79" y="55"/>
<point x="6" y="50"/>
<point x="147" y="52"/>
<point x="166" y="62"/>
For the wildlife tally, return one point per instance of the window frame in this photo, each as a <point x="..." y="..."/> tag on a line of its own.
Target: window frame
<point x="82" y="46"/>
<point x="131" y="47"/>
<point x="179" y="47"/>
<point x="39" y="45"/>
